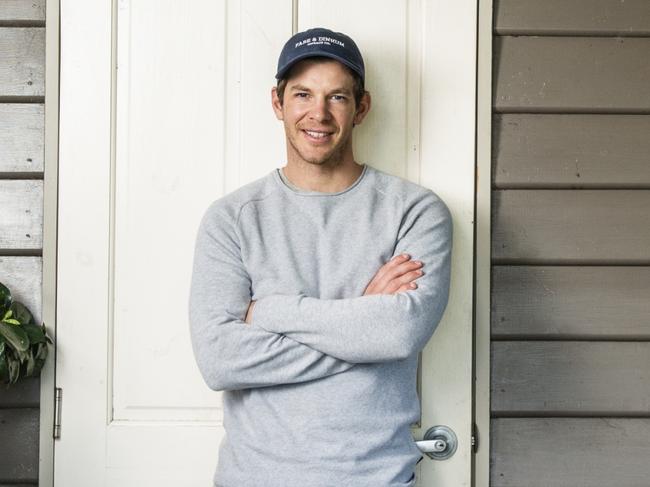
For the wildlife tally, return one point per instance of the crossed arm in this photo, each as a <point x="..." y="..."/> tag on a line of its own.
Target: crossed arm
<point x="297" y="338"/>
<point x="377" y="327"/>
<point x="230" y="354"/>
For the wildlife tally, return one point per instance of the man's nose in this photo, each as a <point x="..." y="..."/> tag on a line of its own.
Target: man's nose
<point x="320" y="110"/>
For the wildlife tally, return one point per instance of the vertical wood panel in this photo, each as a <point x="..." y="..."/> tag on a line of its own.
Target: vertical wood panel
<point x="384" y="42"/>
<point x="255" y="140"/>
<point x="168" y="168"/>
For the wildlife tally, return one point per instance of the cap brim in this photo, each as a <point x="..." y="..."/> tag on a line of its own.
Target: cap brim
<point x="280" y="74"/>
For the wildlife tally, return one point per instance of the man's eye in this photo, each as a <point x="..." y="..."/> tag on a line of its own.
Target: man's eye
<point x="338" y="97"/>
<point x="302" y="95"/>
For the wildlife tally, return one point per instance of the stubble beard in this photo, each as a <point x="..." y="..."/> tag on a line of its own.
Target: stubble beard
<point x="332" y="159"/>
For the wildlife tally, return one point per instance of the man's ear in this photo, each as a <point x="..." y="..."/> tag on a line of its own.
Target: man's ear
<point x="276" y="104"/>
<point x="363" y="108"/>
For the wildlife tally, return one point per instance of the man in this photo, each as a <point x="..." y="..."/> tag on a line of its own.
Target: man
<point x="304" y="308"/>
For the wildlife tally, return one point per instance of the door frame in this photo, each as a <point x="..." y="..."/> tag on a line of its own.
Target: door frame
<point x="482" y="247"/>
<point x="50" y="236"/>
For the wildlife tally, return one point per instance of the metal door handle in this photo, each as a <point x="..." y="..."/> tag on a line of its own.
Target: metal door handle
<point x="430" y="446"/>
<point x="439" y="443"/>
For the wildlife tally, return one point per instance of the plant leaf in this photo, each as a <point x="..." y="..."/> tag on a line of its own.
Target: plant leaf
<point x="14" y="369"/>
<point x="5" y="299"/>
<point x="41" y="354"/>
<point x="4" y="372"/>
<point x="30" y="364"/>
<point x="21" y="313"/>
<point x="22" y="355"/>
<point x="15" y="336"/>
<point x="34" y="332"/>
<point x="11" y="321"/>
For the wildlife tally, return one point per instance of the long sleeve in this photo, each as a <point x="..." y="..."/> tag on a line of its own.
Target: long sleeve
<point x="380" y="327"/>
<point x="230" y="353"/>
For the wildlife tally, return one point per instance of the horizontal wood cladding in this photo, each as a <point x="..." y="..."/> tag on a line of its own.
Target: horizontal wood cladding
<point x="578" y="17"/>
<point x="571" y="150"/>
<point x="19" y="445"/>
<point x="561" y="452"/>
<point x="571" y="74"/>
<point x="571" y="226"/>
<point x="21" y="137"/>
<point x="22" y="61"/>
<point x="22" y="11"/>
<point x="24" y="393"/>
<point x="599" y="302"/>
<point x="24" y="277"/>
<point x="21" y="214"/>
<point x="570" y="377"/>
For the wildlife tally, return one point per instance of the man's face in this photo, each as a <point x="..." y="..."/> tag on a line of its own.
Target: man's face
<point x="318" y="111"/>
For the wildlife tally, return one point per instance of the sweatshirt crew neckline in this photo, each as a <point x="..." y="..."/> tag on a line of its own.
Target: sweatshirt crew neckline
<point x="288" y="186"/>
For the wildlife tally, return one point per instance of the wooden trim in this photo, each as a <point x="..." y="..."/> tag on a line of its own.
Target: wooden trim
<point x="50" y="236"/>
<point x="481" y="464"/>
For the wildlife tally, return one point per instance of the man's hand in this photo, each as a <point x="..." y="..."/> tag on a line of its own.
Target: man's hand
<point x="395" y="276"/>
<point x="249" y="313"/>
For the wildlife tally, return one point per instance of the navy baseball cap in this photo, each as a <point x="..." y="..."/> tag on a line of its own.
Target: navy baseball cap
<point x="321" y="42"/>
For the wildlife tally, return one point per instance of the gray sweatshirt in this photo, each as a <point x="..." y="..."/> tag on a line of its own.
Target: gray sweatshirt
<point x="320" y="389"/>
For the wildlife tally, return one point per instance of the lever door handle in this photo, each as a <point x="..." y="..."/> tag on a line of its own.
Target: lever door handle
<point x="430" y="446"/>
<point x="439" y="443"/>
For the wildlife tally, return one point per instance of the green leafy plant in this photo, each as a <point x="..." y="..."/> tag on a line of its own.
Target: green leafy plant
<point x="23" y="343"/>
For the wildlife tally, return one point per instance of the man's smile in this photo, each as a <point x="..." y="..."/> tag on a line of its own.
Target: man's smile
<point x="317" y="135"/>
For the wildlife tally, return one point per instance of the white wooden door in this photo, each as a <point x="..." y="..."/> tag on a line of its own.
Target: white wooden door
<point x="165" y="106"/>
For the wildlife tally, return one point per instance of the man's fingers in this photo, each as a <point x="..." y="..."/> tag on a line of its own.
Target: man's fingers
<point x="390" y="265"/>
<point x="395" y="288"/>
<point x="407" y="287"/>
<point x="395" y="275"/>
<point x="403" y="283"/>
<point x="400" y="268"/>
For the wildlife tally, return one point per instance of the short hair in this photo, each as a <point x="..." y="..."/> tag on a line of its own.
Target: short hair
<point x="358" y="90"/>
